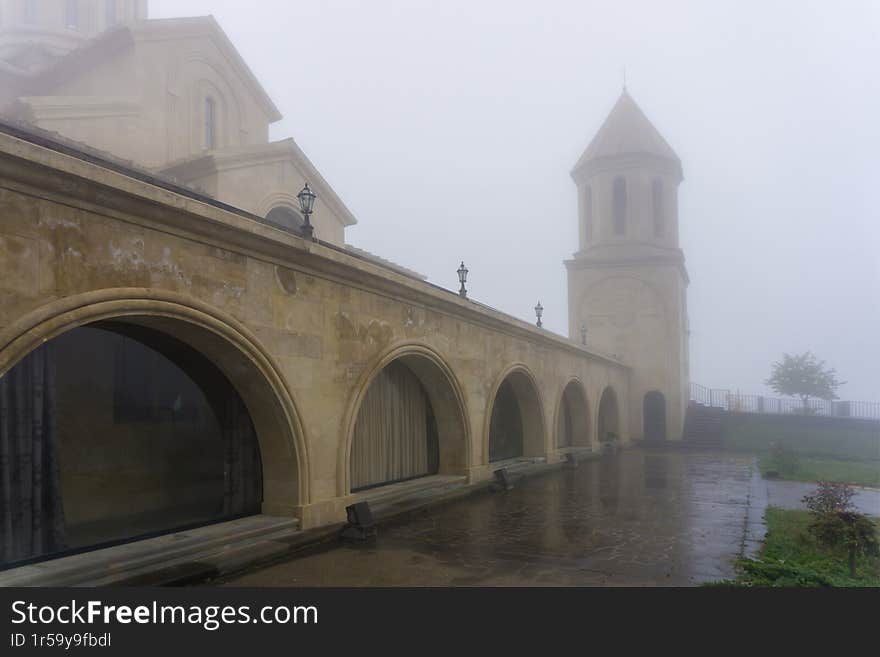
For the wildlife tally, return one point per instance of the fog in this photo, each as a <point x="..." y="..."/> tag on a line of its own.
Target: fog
<point x="449" y="129"/>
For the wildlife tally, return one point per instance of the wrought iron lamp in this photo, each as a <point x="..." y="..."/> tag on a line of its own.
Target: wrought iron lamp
<point x="462" y="276"/>
<point x="307" y="205"/>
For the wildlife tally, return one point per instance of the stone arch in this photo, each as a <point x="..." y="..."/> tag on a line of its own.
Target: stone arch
<point x="235" y="351"/>
<point x="608" y="419"/>
<point x="277" y="199"/>
<point x="577" y="425"/>
<point x="445" y="395"/>
<point x="285" y="203"/>
<point x="521" y="386"/>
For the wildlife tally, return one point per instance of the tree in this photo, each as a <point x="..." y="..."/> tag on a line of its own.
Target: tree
<point x="836" y="523"/>
<point x="805" y="377"/>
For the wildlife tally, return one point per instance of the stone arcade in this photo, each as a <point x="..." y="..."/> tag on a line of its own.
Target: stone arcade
<point x="173" y="354"/>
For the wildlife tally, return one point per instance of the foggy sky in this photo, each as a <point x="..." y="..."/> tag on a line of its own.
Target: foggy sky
<point x="449" y="128"/>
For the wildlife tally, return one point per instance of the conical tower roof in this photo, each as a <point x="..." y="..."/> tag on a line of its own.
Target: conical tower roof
<point x="627" y="131"/>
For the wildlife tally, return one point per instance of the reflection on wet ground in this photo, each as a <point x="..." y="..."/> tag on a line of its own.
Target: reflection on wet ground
<point x="641" y="518"/>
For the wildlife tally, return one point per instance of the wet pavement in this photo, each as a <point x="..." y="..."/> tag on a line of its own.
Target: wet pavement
<point x="789" y="495"/>
<point x="641" y="518"/>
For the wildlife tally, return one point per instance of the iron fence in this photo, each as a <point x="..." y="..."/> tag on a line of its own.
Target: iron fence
<point x="737" y="402"/>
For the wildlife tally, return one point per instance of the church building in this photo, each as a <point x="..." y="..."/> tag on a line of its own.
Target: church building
<point x="178" y="358"/>
<point x="171" y="95"/>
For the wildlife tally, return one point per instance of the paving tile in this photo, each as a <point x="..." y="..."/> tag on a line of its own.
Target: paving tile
<point x="639" y="519"/>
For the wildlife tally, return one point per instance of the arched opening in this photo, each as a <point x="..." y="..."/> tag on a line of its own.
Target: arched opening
<point x="113" y="431"/>
<point x="516" y="426"/>
<point x="654" y="416"/>
<point x="588" y="214"/>
<point x="609" y="417"/>
<point x="71" y="14"/>
<point x="283" y="217"/>
<point x="226" y="343"/>
<point x="657" y="205"/>
<point x="573" y="418"/>
<point x="111" y="15"/>
<point x="29" y="11"/>
<point x="619" y="205"/>
<point x="409" y="424"/>
<point x="210" y="123"/>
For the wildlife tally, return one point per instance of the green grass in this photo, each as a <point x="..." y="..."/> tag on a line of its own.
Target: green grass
<point x="823" y="442"/>
<point x="825" y="469"/>
<point x="850" y="455"/>
<point x="792" y="558"/>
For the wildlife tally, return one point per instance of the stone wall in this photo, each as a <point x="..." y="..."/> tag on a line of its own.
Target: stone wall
<point x="300" y="328"/>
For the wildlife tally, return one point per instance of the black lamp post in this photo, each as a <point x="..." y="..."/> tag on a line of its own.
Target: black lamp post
<point x="584" y="333"/>
<point x="462" y="276"/>
<point x="539" y="313"/>
<point x="307" y="205"/>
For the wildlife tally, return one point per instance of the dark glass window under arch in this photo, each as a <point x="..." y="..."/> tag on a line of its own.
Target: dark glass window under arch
<point x="284" y="217"/>
<point x="112" y="432"/>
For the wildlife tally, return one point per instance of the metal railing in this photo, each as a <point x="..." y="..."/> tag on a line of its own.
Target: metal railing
<point x="737" y="402"/>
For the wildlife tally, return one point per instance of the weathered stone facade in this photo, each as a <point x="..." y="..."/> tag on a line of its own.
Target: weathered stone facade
<point x="171" y="95"/>
<point x="138" y="188"/>
<point x="299" y="327"/>
<point x="627" y="284"/>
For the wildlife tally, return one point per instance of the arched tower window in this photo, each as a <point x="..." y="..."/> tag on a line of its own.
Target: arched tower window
<point x="110" y="16"/>
<point x="619" y="206"/>
<point x="30" y="11"/>
<point x="210" y="123"/>
<point x="588" y="214"/>
<point x="71" y="14"/>
<point x="657" y="202"/>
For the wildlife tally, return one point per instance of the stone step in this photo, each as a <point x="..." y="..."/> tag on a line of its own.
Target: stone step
<point x="121" y="561"/>
<point x="410" y="491"/>
<point x="210" y="565"/>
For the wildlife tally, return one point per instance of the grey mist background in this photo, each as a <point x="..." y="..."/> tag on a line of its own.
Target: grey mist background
<point x="449" y="128"/>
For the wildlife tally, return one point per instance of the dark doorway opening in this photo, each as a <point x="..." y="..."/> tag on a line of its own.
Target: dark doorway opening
<point x="573" y="419"/>
<point x="609" y="417"/>
<point x="506" y="425"/>
<point x="654" y="411"/>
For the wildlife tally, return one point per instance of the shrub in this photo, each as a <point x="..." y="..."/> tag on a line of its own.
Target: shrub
<point x="785" y="457"/>
<point x="837" y="524"/>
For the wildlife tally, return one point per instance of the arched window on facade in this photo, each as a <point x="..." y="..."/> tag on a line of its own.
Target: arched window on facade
<point x="210" y="123"/>
<point x="588" y="214"/>
<point x="71" y="14"/>
<point x="110" y="15"/>
<point x="619" y="206"/>
<point x="285" y="218"/>
<point x="657" y="203"/>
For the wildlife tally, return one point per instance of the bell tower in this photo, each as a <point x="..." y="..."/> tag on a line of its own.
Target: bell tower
<point x="627" y="283"/>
